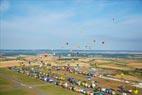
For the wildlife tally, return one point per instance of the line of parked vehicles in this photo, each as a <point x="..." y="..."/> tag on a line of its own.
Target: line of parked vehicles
<point x="91" y="88"/>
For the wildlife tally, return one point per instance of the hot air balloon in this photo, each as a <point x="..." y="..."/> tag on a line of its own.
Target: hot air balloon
<point x="103" y="42"/>
<point x="94" y="41"/>
<point x="77" y="53"/>
<point x="67" y="43"/>
<point x="113" y="19"/>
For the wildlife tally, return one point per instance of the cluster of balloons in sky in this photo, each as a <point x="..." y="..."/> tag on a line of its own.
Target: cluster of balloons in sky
<point x="94" y="41"/>
<point x="86" y="46"/>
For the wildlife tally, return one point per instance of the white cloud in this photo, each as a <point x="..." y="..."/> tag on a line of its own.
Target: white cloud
<point x="4" y="5"/>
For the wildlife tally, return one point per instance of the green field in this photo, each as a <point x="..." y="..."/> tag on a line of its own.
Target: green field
<point x="13" y="83"/>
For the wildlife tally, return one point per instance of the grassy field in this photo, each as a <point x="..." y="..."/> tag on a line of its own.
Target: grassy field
<point x="12" y="83"/>
<point x="8" y="88"/>
<point x="54" y="90"/>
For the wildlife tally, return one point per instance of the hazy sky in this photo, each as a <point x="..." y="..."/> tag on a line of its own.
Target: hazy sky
<point x="49" y="24"/>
